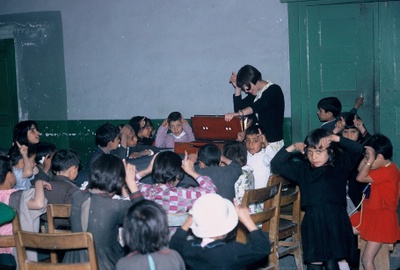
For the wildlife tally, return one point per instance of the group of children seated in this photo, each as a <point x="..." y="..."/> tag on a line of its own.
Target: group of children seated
<point x="209" y="185"/>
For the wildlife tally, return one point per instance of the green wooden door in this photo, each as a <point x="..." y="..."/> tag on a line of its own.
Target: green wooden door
<point x="8" y="92"/>
<point x="340" y="57"/>
<point x="389" y="76"/>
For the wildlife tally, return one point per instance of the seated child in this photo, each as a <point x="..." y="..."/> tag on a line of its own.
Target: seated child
<point x="236" y="151"/>
<point x="44" y="154"/>
<point x="224" y="177"/>
<point x="144" y="130"/>
<point x="377" y="222"/>
<point x="30" y="204"/>
<point x="168" y="169"/>
<point x="135" y="150"/>
<point x="24" y="166"/>
<point x="180" y="131"/>
<point x="107" y="139"/>
<point x="100" y="210"/>
<point x="330" y="107"/>
<point x="350" y="126"/>
<point x="146" y="235"/>
<point x="127" y="139"/>
<point x="259" y="155"/>
<point x="213" y="217"/>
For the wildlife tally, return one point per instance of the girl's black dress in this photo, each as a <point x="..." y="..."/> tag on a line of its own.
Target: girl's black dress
<point x="326" y="230"/>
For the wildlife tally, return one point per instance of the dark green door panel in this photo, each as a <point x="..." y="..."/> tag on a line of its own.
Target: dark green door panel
<point x="8" y="93"/>
<point x="340" y="57"/>
<point x="389" y="76"/>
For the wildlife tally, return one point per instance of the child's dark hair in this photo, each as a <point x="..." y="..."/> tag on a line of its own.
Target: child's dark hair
<point x="255" y="130"/>
<point x="146" y="227"/>
<point x="236" y="151"/>
<point x="15" y="155"/>
<point x="246" y="75"/>
<point x="106" y="133"/>
<point x="43" y="149"/>
<point x="21" y="131"/>
<point x="64" y="159"/>
<point x="5" y="168"/>
<point x="312" y="141"/>
<point x="174" y="116"/>
<point x="330" y="104"/>
<point x="209" y="154"/>
<point x="167" y="168"/>
<point x="107" y="173"/>
<point x="381" y="144"/>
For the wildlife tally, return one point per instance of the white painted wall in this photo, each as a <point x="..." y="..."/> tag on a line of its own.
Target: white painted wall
<point x="127" y="57"/>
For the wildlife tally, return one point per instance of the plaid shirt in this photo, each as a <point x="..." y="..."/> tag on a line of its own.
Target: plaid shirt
<point x="177" y="199"/>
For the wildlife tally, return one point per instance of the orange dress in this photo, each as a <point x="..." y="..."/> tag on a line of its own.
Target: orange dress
<point x="377" y="221"/>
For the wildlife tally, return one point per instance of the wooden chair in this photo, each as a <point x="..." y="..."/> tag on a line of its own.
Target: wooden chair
<point x="57" y="241"/>
<point x="289" y="234"/>
<point x="8" y="240"/>
<point x="57" y="211"/>
<point x="268" y="218"/>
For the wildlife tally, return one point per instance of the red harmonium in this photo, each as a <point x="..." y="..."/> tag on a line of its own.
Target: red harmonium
<point x="210" y="129"/>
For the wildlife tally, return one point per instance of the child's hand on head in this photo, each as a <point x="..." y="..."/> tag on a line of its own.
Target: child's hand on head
<point x="240" y="136"/>
<point x="300" y="146"/>
<point x="325" y="142"/>
<point x="369" y="154"/>
<point x="261" y="137"/>
<point x="142" y="122"/>
<point x="339" y="126"/>
<point x="165" y="123"/>
<point x="183" y="120"/>
<point x="358" y="123"/>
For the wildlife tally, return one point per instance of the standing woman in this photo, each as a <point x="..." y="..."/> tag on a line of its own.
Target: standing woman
<point x="26" y="132"/>
<point x="264" y="103"/>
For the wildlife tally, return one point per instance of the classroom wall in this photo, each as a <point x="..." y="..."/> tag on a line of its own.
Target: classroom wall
<point x="125" y="58"/>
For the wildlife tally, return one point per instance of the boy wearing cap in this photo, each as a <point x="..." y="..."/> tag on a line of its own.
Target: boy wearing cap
<point x="212" y="218"/>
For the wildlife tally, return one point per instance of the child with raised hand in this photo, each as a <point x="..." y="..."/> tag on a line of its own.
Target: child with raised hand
<point x="24" y="165"/>
<point x="213" y="217"/>
<point x="100" y="210"/>
<point x="146" y="234"/>
<point x="180" y="131"/>
<point x="30" y="204"/>
<point x="350" y="125"/>
<point x="168" y="169"/>
<point x="259" y="154"/>
<point x="44" y="155"/>
<point x="377" y="222"/>
<point x="327" y="236"/>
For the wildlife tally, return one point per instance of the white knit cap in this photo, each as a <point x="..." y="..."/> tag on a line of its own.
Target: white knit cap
<point x="213" y="216"/>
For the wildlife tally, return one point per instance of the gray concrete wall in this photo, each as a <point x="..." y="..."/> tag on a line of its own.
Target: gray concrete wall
<point x="125" y="57"/>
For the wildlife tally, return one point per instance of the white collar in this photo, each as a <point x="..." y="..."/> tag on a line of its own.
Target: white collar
<point x="180" y="135"/>
<point x="259" y="93"/>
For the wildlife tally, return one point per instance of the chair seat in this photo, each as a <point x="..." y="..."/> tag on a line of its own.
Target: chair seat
<point x="286" y="228"/>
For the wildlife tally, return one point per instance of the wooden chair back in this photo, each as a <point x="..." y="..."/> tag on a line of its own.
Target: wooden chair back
<point x="8" y="240"/>
<point x="289" y="234"/>
<point x="57" y="211"/>
<point x="268" y="219"/>
<point x="57" y="241"/>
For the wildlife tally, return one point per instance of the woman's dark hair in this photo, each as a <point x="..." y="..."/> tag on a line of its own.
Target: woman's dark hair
<point x="236" y="151"/>
<point x="64" y="159"/>
<point x="381" y="144"/>
<point x="246" y="75"/>
<point x="15" y="155"/>
<point x="313" y="138"/>
<point x="107" y="173"/>
<point x="174" y="116"/>
<point x="167" y="168"/>
<point x="146" y="227"/>
<point x="209" y="154"/>
<point x="5" y="168"/>
<point x="21" y="131"/>
<point x="43" y="149"/>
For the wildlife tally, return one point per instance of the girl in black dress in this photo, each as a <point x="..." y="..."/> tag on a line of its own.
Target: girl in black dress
<point x="326" y="230"/>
